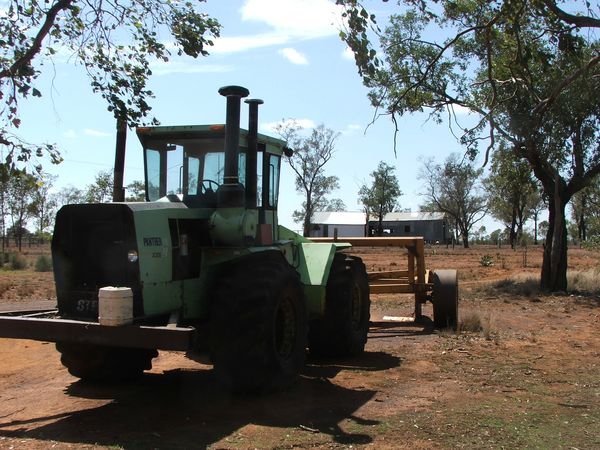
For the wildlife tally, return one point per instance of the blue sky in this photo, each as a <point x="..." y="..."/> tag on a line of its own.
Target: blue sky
<point x="285" y="52"/>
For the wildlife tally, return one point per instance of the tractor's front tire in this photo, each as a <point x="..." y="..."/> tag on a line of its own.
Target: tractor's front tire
<point x="343" y="329"/>
<point x="259" y="324"/>
<point x="99" y="363"/>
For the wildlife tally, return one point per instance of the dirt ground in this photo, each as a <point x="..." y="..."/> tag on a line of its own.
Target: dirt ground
<point x="529" y="378"/>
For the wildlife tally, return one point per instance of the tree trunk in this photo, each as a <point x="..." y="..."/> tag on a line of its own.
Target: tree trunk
<point x="306" y="227"/>
<point x="520" y="233"/>
<point x="581" y="223"/>
<point x="512" y="232"/>
<point x="554" y="264"/>
<point x="464" y="232"/>
<point x="465" y="237"/>
<point x="308" y="213"/>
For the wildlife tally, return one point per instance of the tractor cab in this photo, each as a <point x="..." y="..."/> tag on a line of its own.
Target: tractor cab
<point x="186" y="163"/>
<point x="223" y="171"/>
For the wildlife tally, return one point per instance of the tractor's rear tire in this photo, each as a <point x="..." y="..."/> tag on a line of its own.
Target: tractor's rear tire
<point x="259" y="324"/>
<point x="99" y="363"/>
<point x="343" y="329"/>
<point x="445" y="299"/>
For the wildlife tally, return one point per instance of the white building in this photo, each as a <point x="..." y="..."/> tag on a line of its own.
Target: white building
<point x="432" y="226"/>
<point x="347" y="224"/>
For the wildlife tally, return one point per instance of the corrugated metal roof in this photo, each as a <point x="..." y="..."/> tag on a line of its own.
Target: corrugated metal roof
<point x="412" y="216"/>
<point x="339" y="218"/>
<point x="359" y="218"/>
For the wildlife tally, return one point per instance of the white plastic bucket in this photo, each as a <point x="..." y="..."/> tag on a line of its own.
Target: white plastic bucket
<point x="115" y="306"/>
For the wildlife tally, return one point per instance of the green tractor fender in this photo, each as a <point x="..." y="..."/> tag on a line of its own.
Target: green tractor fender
<point x="314" y="265"/>
<point x="313" y="262"/>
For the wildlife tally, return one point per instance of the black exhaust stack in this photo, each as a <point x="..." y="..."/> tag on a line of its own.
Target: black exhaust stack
<point x="251" y="156"/>
<point x="231" y="192"/>
<point x="119" y="168"/>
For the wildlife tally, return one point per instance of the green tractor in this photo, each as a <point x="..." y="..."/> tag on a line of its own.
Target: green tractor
<point x="211" y="272"/>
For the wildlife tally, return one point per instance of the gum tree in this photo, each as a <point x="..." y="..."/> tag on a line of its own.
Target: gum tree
<point x="381" y="197"/>
<point x="311" y="154"/>
<point x="113" y="41"/>
<point x="43" y="203"/>
<point x="585" y="213"/>
<point x="101" y="190"/>
<point x="453" y="187"/>
<point x="21" y="189"/>
<point x="512" y="191"/>
<point x="527" y="68"/>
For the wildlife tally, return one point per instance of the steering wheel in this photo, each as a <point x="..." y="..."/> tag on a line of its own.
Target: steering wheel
<point x="206" y="185"/>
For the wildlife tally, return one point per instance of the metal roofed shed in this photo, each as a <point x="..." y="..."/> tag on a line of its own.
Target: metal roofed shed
<point x="433" y="226"/>
<point x="347" y="224"/>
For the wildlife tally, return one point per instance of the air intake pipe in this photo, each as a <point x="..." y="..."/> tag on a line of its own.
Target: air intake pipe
<point x="251" y="156"/>
<point x="231" y="192"/>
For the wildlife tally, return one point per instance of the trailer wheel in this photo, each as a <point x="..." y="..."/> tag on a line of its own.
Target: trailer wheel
<point x="105" y="364"/>
<point x="445" y="299"/>
<point x="343" y="329"/>
<point x="258" y="321"/>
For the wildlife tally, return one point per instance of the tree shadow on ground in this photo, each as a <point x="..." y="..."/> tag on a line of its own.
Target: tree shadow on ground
<point x="187" y="409"/>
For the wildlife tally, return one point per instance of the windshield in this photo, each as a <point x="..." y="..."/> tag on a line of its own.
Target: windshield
<point x="187" y="167"/>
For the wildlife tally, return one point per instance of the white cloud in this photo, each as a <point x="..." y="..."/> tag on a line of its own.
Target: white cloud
<point x="241" y="43"/>
<point x="348" y="54"/>
<point x="95" y="133"/>
<point x="72" y="134"/>
<point x="353" y="128"/>
<point x="307" y="19"/>
<point x="188" y="66"/>
<point x="285" y="21"/>
<point x="293" y="56"/>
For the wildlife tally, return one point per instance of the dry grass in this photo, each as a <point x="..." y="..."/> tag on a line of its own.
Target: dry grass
<point x="5" y="286"/>
<point x="470" y="321"/>
<point x="26" y="290"/>
<point x="584" y="281"/>
<point x="474" y="322"/>
<point x="21" y="285"/>
<point x="525" y="285"/>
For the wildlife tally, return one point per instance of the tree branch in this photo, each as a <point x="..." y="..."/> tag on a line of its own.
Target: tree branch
<point x="36" y="45"/>
<point x="545" y="104"/>
<point x="579" y="21"/>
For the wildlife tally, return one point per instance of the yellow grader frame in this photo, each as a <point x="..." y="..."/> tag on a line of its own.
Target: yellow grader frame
<point x="440" y="286"/>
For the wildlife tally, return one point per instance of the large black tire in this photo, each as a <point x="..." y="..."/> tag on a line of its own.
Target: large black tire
<point x="343" y="329"/>
<point x="259" y="324"/>
<point x="105" y="364"/>
<point x="445" y="299"/>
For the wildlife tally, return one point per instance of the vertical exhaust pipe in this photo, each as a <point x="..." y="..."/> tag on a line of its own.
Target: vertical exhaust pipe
<point x="251" y="156"/>
<point x="231" y="193"/>
<point x="119" y="168"/>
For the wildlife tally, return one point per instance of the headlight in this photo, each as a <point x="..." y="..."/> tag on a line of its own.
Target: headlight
<point x="132" y="256"/>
